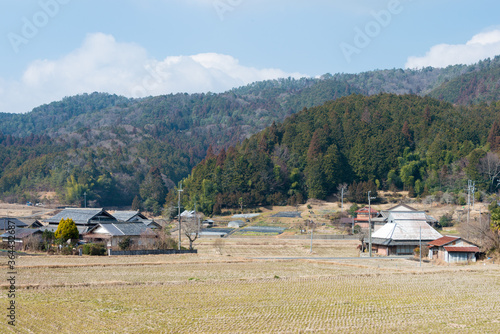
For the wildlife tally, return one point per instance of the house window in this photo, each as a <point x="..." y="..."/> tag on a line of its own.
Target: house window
<point x="405" y="250"/>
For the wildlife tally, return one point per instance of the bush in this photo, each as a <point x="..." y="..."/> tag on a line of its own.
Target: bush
<point x="125" y="244"/>
<point x="446" y="220"/>
<point x="67" y="250"/>
<point x="94" y="249"/>
<point x="357" y="229"/>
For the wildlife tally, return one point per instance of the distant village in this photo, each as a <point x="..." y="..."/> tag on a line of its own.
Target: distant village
<point x="398" y="231"/>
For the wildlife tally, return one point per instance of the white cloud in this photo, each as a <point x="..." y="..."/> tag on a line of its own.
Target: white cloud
<point x="102" y="64"/>
<point x="480" y="46"/>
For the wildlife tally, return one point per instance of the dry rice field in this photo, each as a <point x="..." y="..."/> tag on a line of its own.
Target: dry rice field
<point x="239" y="292"/>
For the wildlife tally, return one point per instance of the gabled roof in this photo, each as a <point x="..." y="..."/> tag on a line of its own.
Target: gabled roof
<point x="464" y="249"/>
<point x="4" y="223"/>
<point x="407" y="216"/>
<point x="443" y="241"/>
<point x="31" y="222"/>
<point x="120" y="229"/>
<point x="128" y="215"/>
<point x="21" y="233"/>
<point x="401" y="207"/>
<point x="407" y="230"/>
<point x="83" y="216"/>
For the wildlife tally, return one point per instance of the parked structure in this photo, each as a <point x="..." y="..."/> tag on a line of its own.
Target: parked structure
<point x="453" y="250"/>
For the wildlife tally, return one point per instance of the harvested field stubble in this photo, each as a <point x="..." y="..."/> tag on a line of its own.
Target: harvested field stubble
<point x="257" y="296"/>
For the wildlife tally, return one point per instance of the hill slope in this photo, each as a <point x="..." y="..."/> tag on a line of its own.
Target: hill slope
<point x="105" y="144"/>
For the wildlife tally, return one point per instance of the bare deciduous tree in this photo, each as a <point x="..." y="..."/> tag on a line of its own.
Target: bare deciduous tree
<point x="479" y="231"/>
<point x="489" y="166"/>
<point x="191" y="228"/>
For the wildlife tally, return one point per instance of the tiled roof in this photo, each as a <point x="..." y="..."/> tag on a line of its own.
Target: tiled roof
<point x="21" y="233"/>
<point x="409" y="215"/>
<point x="127" y="215"/>
<point x="4" y="225"/>
<point x="81" y="216"/>
<point x="402" y="206"/>
<point x="118" y="229"/>
<point x="407" y="230"/>
<point x="469" y="249"/>
<point x="443" y="241"/>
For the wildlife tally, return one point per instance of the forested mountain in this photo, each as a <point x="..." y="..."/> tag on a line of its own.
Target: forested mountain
<point x="372" y="142"/>
<point x="115" y="148"/>
<point x="476" y="85"/>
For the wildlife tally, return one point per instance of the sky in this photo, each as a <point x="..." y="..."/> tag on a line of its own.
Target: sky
<point x="136" y="48"/>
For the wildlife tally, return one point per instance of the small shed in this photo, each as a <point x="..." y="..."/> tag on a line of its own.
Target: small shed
<point x="453" y="250"/>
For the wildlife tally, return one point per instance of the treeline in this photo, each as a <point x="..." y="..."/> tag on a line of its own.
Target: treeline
<point x="389" y="141"/>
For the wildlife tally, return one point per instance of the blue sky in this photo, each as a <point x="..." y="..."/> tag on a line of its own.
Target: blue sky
<point x="56" y="48"/>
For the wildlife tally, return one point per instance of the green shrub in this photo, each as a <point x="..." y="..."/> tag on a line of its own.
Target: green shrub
<point x="445" y="220"/>
<point x="125" y="244"/>
<point x="94" y="249"/>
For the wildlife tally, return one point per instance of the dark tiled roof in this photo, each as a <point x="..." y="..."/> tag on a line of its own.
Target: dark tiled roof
<point x="128" y="215"/>
<point x="21" y="233"/>
<point x="82" y="216"/>
<point x="119" y="229"/>
<point x="4" y="225"/>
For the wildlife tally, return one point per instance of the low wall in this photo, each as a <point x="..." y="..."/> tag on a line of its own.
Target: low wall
<point x="152" y="252"/>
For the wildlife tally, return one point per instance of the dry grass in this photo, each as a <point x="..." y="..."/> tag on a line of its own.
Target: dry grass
<point x="334" y="298"/>
<point x="208" y="293"/>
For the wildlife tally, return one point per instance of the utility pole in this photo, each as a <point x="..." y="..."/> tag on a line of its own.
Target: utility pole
<point x="370" y="222"/>
<point x="473" y="193"/>
<point x="312" y="231"/>
<point x="85" y="199"/>
<point x="342" y="199"/>
<point x="179" y="213"/>
<point x="420" y="246"/>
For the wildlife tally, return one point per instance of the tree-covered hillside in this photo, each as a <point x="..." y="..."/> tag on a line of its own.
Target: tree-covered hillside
<point x="382" y="141"/>
<point x="108" y="145"/>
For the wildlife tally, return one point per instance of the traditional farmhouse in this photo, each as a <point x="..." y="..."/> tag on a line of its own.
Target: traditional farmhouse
<point x="113" y="233"/>
<point x="403" y="232"/>
<point x="84" y="219"/>
<point x="22" y="237"/>
<point x="452" y="250"/>
<point x="384" y="214"/>
<point x="135" y="216"/>
<point x="8" y="223"/>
